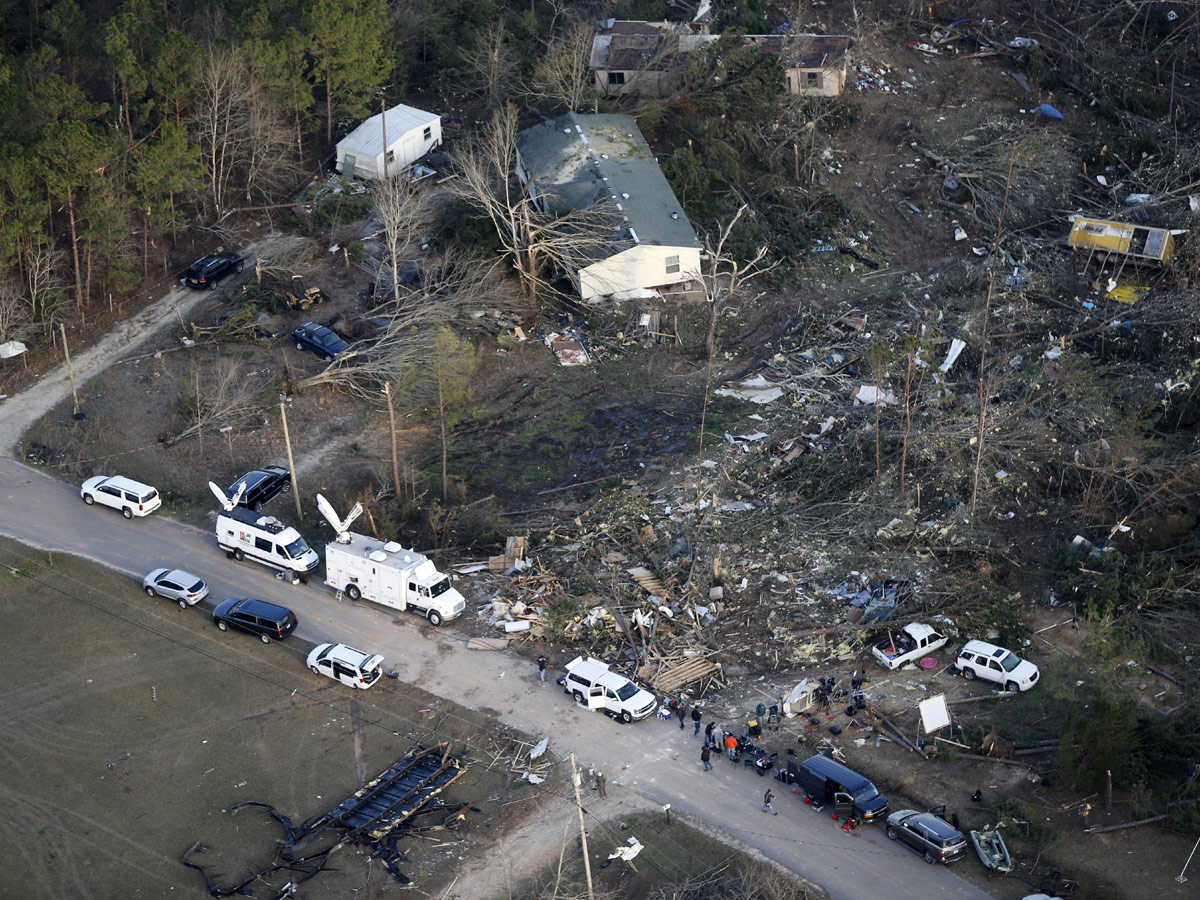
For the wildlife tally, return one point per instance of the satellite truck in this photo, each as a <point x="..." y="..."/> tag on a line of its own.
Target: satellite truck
<point x="243" y="533"/>
<point x="384" y="572"/>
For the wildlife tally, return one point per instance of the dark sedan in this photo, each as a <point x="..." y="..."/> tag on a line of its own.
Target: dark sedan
<point x="206" y="273"/>
<point x="318" y="339"/>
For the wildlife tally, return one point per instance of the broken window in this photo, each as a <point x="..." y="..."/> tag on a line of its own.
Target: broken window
<point x="813" y="79"/>
<point x="672" y="265"/>
<point x="616" y="77"/>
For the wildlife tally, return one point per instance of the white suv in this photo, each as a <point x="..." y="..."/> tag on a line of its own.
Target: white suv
<point x="978" y="659"/>
<point x="345" y="664"/>
<point x="131" y="497"/>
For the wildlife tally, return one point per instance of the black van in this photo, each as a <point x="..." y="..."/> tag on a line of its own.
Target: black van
<point x="267" y="620"/>
<point x="826" y="780"/>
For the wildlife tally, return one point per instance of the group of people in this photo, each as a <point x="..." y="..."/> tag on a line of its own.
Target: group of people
<point x="712" y="739"/>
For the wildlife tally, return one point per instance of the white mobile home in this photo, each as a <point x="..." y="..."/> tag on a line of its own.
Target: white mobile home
<point x="388" y="143"/>
<point x="576" y="161"/>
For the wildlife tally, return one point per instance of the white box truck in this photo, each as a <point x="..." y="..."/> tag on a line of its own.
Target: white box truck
<point x="384" y="572"/>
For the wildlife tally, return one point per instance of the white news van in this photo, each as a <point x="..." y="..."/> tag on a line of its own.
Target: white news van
<point x="386" y="573"/>
<point x="245" y="534"/>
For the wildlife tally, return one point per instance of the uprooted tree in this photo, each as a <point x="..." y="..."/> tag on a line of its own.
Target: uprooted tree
<point x="449" y="293"/>
<point x="536" y="232"/>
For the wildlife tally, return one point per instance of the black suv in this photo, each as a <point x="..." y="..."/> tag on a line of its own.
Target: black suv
<point x="262" y="485"/>
<point x="208" y="272"/>
<point x="928" y="834"/>
<point x="267" y="620"/>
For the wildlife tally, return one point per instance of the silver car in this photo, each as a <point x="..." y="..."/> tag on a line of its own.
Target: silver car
<point x="175" y="584"/>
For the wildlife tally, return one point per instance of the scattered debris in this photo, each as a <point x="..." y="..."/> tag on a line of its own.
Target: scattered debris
<point x="381" y="812"/>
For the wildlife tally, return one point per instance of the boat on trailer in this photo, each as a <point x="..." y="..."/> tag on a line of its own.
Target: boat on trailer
<point x="991" y="849"/>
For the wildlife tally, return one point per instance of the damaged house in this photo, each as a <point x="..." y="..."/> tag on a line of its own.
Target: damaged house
<point x="648" y="58"/>
<point x="575" y="160"/>
<point x="388" y="143"/>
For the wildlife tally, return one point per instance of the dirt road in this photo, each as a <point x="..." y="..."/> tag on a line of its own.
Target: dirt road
<point x="647" y="762"/>
<point x="20" y="411"/>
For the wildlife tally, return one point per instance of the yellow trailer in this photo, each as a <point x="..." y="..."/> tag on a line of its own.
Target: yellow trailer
<point x="1138" y="243"/>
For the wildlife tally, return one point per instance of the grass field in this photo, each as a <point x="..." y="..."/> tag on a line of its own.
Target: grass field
<point x="131" y="727"/>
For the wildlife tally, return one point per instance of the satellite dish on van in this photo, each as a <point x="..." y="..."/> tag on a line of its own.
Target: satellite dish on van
<point x="228" y="503"/>
<point x="341" y="526"/>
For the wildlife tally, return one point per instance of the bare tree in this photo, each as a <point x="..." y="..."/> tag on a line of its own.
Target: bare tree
<point x="270" y="150"/>
<point x="406" y="214"/>
<point x="442" y="382"/>
<point x="492" y="64"/>
<point x="563" y="73"/>
<point x="43" y="282"/>
<point x="726" y="276"/>
<point x="449" y="293"/>
<point x="281" y="256"/>
<point x="14" y="311"/>
<point x="532" y="232"/>
<point x="233" y="399"/>
<point x="221" y="124"/>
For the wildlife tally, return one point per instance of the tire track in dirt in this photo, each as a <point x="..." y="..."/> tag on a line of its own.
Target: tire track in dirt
<point x="69" y="862"/>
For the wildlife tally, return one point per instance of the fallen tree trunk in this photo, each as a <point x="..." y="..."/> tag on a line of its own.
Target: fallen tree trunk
<point x="996" y="759"/>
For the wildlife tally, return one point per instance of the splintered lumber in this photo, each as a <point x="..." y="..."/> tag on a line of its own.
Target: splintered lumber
<point x="670" y="680"/>
<point x="647" y="580"/>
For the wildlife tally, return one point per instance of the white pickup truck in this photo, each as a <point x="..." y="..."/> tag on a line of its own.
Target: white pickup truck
<point x="907" y="645"/>
<point x="592" y="683"/>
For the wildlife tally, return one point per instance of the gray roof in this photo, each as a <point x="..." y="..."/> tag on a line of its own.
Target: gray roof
<point x="367" y="138"/>
<point x="577" y="158"/>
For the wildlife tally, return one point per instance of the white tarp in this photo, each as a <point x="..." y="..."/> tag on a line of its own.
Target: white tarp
<point x="868" y="394"/>
<point x="11" y="348"/>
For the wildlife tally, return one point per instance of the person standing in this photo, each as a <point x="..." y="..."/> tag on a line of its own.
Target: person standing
<point x="705" y="755"/>
<point x="708" y="734"/>
<point x="542" y="663"/>
<point x="682" y="709"/>
<point x="731" y="747"/>
<point x="695" y="721"/>
<point x="767" y="798"/>
<point x="600" y="784"/>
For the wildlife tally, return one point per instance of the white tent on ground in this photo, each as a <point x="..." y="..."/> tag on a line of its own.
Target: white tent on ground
<point x="411" y="133"/>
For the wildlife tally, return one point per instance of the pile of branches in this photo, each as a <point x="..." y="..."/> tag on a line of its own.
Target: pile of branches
<point x="1009" y="169"/>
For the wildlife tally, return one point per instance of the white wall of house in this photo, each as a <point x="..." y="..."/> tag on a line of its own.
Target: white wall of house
<point x="641" y="266"/>
<point x="827" y="81"/>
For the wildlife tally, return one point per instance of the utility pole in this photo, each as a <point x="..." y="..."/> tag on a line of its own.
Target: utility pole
<point x="387" y="392"/>
<point x="70" y="374"/>
<point x="383" y="122"/>
<point x="587" y="863"/>
<point x="291" y="462"/>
